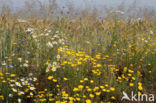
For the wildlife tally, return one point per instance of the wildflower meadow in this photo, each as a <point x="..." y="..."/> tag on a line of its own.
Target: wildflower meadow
<point x="80" y="60"/>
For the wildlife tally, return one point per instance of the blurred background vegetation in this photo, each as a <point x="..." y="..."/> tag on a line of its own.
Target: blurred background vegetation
<point x="54" y="9"/>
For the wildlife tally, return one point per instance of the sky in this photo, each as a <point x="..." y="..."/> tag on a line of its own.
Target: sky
<point x="17" y="4"/>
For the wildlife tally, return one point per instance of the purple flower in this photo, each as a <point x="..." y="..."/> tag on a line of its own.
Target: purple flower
<point x="29" y="32"/>
<point x="8" y="66"/>
<point x="147" y="31"/>
<point x="44" y="61"/>
<point x="28" y="53"/>
<point x="68" y="12"/>
<point x="62" y="71"/>
<point x="84" y="34"/>
<point x="70" y="22"/>
<point x="93" y="50"/>
<point x="21" y="41"/>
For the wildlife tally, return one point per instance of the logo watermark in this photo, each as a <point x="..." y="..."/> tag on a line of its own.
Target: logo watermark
<point x="138" y="97"/>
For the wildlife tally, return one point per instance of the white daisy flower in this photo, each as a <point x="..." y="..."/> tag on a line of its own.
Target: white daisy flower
<point x="58" y="56"/>
<point x="54" y="69"/>
<point x="20" y="59"/>
<point x="49" y="44"/>
<point x="14" y="90"/>
<point x="10" y="95"/>
<point x="47" y="34"/>
<point x="18" y="84"/>
<point x="19" y="100"/>
<point x="25" y="65"/>
<point x="32" y="88"/>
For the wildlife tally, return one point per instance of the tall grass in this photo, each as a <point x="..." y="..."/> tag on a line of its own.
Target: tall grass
<point x="70" y="58"/>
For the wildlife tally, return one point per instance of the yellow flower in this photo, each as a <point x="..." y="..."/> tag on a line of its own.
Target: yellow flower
<point x="97" y="93"/>
<point x="96" y="88"/>
<point x="98" y="65"/>
<point x="140" y="84"/>
<point x="119" y="78"/>
<point x="1" y="77"/>
<point x="75" y="89"/>
<point x="98" y="56"/>
<point x="3" y="81"/>
<point x="81" y="81"/>
<point x="91" y="95"/>
<point x="8" y="79"/>
<point x="104" y="90"/>
<point x="65" y="62"/>
<point x="125" y="69"/>
<point x="114" y="45"/>
<point x="89" y="89"/>
<point x="86" y="79"/>
<point x="19" y="94"/>
<point x="50" y="77"/>
<point x="1" y="74"/>
<point x="9" y="60"/>
<point x="50" y="95"/>
<point x="71" y="98"/>
<point x="12" y="75"/>
<point x="129" y="74"/>
<point x="1" y="96"/>
<point x="131" y="65"/>
<point x="131" y="84"/>
<point x="139" y="73"/>
<point x="112" y="97"/>
<point x="28" y="96"/>
<point x="139" y="93"/>
<point x="106" y="85"/>
<point x="91" y="81"/>
<point x="84" y="96"/>
<point x="140" y="87"/>
<point x="80" y="86"/>
<point x="133" y="78"/>
<point x="57" y="102"/>
<point x="131" y="71"/>
<point x="112" y="89"/>
<point x="65" y="79"/>
<point x="54" y="80"/>
<point x="88" y="101"/>
<point x="107" y="90"/>
<point x="78" y="99"/>
<point x="51" y="99"/>
<point x="47" y="62"/>
<point x="79" y="62"/>
<point x="101" y="87"/>
<point x="14" y="43"/>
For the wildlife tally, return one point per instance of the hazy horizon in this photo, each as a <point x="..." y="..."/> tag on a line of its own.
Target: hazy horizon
<point x="18" y="4"/>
